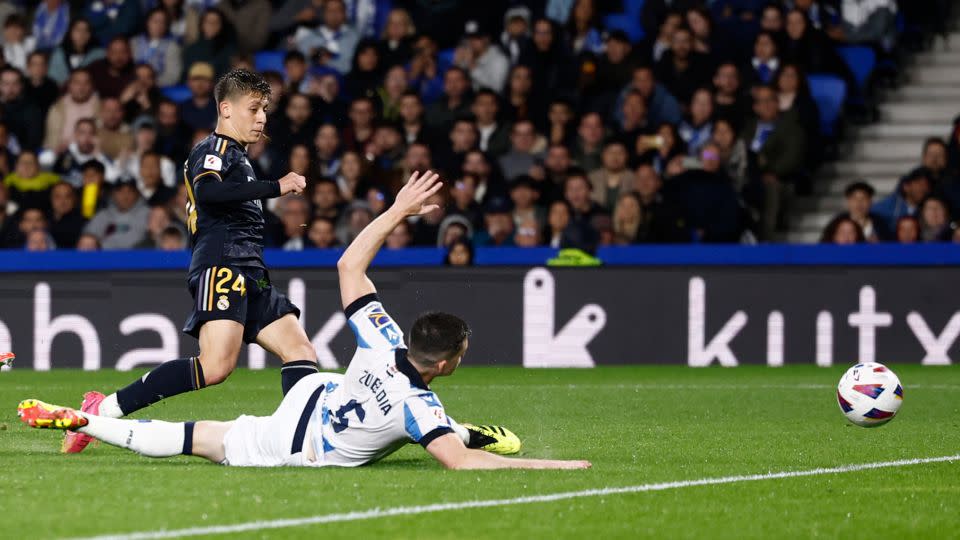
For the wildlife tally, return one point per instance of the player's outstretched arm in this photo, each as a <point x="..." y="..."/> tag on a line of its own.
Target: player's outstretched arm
<point x="354" y="262"/>
<point x="452" y="454"/>
<point x="210" y="189"/>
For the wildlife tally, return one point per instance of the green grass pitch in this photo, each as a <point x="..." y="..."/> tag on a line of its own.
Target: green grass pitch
<point x="638" y="425"/>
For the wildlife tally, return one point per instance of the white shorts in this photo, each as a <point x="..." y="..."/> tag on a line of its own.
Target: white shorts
<point x="277" y="440"/>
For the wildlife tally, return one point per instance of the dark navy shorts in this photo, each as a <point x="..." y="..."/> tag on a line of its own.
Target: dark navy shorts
<point x="237" y="294"/>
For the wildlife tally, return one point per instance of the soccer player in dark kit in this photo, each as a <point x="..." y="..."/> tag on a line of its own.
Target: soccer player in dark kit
<point x="234" y="301"/>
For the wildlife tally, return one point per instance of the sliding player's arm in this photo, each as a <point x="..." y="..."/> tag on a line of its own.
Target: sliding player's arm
<point x="355" y="261"/>
<point x="450" y="451"/>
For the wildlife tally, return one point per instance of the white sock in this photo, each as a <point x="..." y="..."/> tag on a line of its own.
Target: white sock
<point x="110" y="408"/>
<point x="151" y="438"/>
<point x="460" y="430"/>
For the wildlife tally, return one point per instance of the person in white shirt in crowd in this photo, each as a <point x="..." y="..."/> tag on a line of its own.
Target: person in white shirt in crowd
<point x="17" y="43"/>
<point x="486" y="63"/>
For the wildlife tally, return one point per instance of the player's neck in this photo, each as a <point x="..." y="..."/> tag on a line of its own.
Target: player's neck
<point x="224" y="130"/>
<point x="425" y="373"/>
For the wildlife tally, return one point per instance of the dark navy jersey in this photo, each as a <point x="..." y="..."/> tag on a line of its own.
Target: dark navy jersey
<point x="225" y="229"/>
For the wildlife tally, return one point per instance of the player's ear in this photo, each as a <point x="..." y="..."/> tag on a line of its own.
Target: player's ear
<point x="225" y="108"/>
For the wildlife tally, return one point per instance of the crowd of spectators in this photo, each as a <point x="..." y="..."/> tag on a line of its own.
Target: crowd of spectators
<point x="549" y="128"/>
<point x="922" y="208"/>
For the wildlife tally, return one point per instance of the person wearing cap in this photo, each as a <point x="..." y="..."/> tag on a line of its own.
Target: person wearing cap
<point x="615" y="67"/>
<point x="498" y="225"/>
<point x="858" y="198"/>
<point x="905" y="200"/>
<point x="487" y="64"/>
<point x="516" y="32"/>
<point x="145" y="140"/>
<point x="123" y="224"/>
<point x="200" y="111"/>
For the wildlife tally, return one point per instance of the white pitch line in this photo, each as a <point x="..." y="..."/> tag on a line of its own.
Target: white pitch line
<point x="376" y="513"/>
<point x="650" y="386"/>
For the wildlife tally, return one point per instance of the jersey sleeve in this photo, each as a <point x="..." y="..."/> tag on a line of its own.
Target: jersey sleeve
<point x="372" y="325"/>
<point x="424" y="418"/>
<point x="210" y="162"/>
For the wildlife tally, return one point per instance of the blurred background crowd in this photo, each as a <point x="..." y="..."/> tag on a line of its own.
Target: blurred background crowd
<point x="564" y="123"/>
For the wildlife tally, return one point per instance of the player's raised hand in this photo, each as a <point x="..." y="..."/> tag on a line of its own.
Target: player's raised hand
<point x="292" y="183"/>
<point x="416" y="191"/>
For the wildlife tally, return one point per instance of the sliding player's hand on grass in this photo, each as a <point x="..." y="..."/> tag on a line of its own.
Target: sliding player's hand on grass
<point x="416" y="191"/>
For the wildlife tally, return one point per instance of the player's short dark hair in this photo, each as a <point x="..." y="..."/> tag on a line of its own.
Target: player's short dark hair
<point x="240" y="82"/>
<point x="437" y="336"/>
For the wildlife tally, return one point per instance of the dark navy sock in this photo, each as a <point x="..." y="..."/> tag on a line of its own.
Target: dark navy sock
<point x="167" y="379"/>
<point x="188" y="439"/>
<point x="292" y="372"/>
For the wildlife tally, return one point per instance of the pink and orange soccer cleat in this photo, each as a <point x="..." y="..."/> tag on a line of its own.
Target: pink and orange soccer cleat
<point x="38" y="414"/>
<point x="6" y="359"/>
<point x="74" y="442"/>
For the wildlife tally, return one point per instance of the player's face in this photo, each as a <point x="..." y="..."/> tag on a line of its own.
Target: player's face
<point x="248" y="114"/>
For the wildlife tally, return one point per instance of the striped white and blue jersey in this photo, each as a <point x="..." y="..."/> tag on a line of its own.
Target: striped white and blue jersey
<point x="382" y="403"/>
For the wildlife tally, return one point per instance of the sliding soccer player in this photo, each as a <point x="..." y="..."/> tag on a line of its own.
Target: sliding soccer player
<point x="380" y="404"/>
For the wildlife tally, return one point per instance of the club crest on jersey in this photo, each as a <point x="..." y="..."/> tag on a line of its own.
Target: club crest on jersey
<point x="223" y="303"/>
<point x="212" y="162"/>
<point x="382" y="322"/>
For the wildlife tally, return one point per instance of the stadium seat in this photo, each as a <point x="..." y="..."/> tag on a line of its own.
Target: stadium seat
<point x="628" y="23"/>
<point x="269" y="61"/>
<point x="861" y="61"/>
<point x="445" y="59"/>
<point x="178" y="93"/>
<point x="633" y="8"/>
<point x="829" y="92"/>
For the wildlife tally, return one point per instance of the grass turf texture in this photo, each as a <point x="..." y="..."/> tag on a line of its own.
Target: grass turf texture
<point x="638" y="425"/>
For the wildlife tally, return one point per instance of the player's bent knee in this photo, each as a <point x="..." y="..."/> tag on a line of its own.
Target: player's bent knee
<point x="215" y="371"/>
<point x="217" y="375"/>
<point x="300" y="351"/>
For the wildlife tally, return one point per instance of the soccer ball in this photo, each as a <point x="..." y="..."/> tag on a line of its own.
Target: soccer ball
<point x="869" y="394"/>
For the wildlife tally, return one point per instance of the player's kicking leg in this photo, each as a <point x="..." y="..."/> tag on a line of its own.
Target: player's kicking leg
<point x="271" y="319"/>
<point x="220" y="343"/>
<point x="150" y="438"/>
